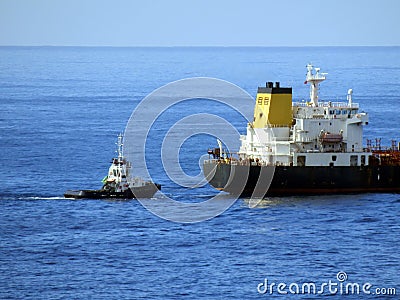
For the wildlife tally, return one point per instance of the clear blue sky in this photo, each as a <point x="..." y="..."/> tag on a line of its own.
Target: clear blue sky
<point x="200" y="23"/>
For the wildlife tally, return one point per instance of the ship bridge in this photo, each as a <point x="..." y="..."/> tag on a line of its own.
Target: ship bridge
<point x="327" y="110"/>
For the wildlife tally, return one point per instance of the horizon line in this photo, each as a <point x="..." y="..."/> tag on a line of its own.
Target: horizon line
<point x="205" y="46"/>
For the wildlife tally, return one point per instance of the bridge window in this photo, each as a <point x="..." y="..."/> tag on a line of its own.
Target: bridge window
<point x="334" y="157"/>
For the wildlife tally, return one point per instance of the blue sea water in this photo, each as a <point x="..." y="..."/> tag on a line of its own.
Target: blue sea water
<point x="61" y="109"/>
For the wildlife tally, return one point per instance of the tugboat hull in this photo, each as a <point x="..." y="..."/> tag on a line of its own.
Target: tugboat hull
<point x="146" y="191"/>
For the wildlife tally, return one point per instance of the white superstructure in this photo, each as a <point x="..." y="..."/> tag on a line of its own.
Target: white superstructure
<point x="319" y="133"/>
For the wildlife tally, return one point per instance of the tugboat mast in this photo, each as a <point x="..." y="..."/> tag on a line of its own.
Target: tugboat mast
<point x="119" y="144"/>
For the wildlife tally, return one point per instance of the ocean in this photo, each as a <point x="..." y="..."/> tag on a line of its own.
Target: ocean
<point x="61" y="111"/>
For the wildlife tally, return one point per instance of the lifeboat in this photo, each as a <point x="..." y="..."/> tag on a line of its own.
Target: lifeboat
<point x="328" y="137"/>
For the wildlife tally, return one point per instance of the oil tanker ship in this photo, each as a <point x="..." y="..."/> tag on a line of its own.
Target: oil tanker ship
<point x="304" y="148"/>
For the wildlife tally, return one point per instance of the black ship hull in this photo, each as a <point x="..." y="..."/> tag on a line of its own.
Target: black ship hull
<point x="146" y="191"/>
<point x="310" y="180"/>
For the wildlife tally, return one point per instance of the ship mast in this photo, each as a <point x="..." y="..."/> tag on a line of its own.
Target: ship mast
<point x="116" y="178"/>
<point x="314" y="80"/>
<point x="119" y="165"/>
<point x="119" y="147"/>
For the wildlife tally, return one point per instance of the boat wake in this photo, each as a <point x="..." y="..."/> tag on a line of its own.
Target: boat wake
<point x="45" y="198"/>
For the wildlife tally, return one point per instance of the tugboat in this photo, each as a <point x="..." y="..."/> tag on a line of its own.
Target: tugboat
<point x="304" y="148"/>
<point x="118" y="183"/>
